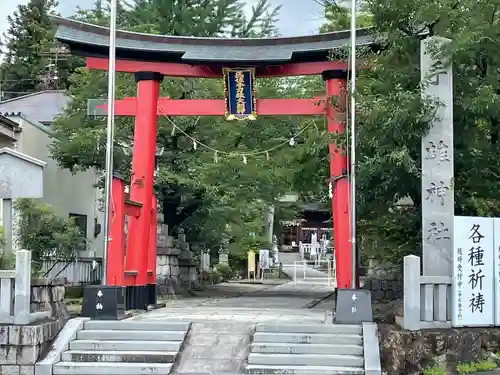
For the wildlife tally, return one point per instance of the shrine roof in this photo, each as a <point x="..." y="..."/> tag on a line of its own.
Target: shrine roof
<point x="93" y="41"/>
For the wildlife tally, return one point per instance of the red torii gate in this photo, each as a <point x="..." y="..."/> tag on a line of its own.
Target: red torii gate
<point x="153" y="57"/>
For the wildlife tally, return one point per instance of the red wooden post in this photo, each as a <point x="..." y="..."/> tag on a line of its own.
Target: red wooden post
<point x="152" y="251"/>
<point x="116" y="259"/>
<point x="141" y="185"/>
<point x="335" y="88"/>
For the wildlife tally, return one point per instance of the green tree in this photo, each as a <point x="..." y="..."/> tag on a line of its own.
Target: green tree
<point x="6" y="260"/>
<point x="46" y="234"/>
<point x="29" y="51"/>
<point x="199" y="189"/>
<point x="338" y="18"/>
<point x="311" y="163"/>
<point x="392" y="117"/>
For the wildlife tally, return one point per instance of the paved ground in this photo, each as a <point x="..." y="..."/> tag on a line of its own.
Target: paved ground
<point x="224" y="320"/>
<point x="296" y="270"/>
<point x="250" y="303"/>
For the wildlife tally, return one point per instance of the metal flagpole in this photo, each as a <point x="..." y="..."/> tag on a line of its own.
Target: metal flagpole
<point x="354" y="260"/>
<point x="110" y="133"/>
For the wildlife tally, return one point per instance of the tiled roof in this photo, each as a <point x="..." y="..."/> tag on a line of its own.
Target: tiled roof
<point x="89" y="40"/>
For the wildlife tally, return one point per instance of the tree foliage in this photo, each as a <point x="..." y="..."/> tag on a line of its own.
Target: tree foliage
<point x="6" y="260"/>
<point x="45" y="233"/>
<point x="28" y="48"/>
<point x="338" y="18"/>
<point x="392" y="117"/>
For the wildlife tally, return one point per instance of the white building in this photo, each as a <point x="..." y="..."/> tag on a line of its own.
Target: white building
<point x="25" y="126"/>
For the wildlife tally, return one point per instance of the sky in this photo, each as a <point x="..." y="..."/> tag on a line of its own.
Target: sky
<point x="297" y="17"/>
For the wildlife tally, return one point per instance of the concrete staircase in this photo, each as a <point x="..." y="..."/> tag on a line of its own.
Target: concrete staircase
<point x="322" y="349"/>
<point x="123" y="348"/>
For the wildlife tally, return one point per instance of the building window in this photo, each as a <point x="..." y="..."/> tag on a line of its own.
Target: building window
<point x="80" y="222"/>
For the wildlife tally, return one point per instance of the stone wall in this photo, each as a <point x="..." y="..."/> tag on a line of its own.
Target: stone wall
<point x="176" y="270"/>
<point x="384" y="281"/>
<point x="48" y="295"/>
<point x="384" y="289"/>
<point x="167" y="263"/>
<point x="22" y="346"/>
<point x="410" y="352"/>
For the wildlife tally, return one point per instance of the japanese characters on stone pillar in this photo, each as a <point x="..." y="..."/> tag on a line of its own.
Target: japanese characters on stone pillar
<point x="224" y="246"/>
<point x="437" y="161"/>
<point x="473" y="272"/>
<point x="223" y="250"/>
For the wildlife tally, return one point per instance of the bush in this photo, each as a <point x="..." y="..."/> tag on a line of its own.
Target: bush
<point x="2" y="239"/>
<point x="224" y="270"/>
<point x="238" y="263"/>
<point x="7" y="261"/>
<point x="215" y="277"/>
<point x="46" y="233"/>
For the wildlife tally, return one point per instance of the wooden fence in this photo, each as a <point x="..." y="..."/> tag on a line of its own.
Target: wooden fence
<point x="15" y="293"/>
<point x="426" y="299"/>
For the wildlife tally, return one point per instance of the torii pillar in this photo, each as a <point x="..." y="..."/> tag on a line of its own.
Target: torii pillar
<point x="335" y="81"/>
<point x="141" y="188"/>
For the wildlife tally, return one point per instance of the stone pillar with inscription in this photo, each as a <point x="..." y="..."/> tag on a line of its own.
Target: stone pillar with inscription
<point x="437" y="161"/>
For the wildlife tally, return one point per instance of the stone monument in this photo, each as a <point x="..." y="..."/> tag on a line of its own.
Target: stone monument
<point x="224" y="248"/>
<point x="205" y="260"/>
<point x="437" y="161"/>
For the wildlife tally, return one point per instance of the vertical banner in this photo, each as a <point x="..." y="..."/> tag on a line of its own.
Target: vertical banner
<point x="239" y="92"/>
<point x="264" y="262"/>
<point x="251" y="262"/>
<point x="496" y="252"/>
<point x="437" y="162"/>
<point x="473" y="272"/>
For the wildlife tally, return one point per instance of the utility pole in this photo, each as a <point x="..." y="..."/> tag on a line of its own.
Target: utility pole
<point x="55" y="55"/>
<point x="354" y="255"/>
<point x="110" y="133"/>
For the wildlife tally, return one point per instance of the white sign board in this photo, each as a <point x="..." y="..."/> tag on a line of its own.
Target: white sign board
<point x="473" y="272"/>
<point x="223" y="258"/>
<point x="264" y="262"/>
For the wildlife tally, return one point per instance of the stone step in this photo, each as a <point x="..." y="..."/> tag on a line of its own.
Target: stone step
<point x="132" y="325"/>
<point x="305" y="360"/>
<point x="303" y="370"/>
<point x="118" y="356"/>
<point x="130" y="335"/>
<point x="343" y="329"/>
<point x="287" y="348"/>
<point x="168" y="346"/>
<point x="297" y="338"/>
<point x="111" y="368"/>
